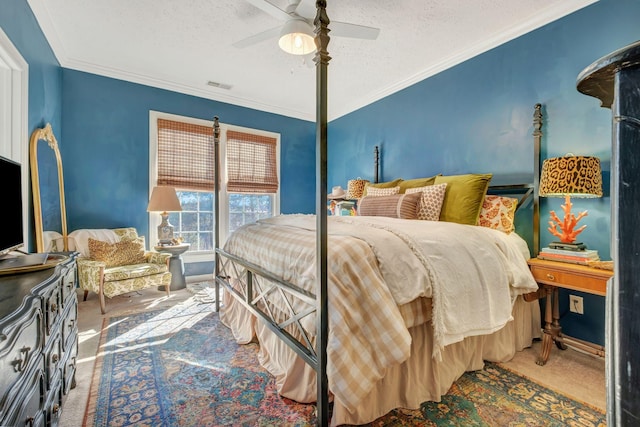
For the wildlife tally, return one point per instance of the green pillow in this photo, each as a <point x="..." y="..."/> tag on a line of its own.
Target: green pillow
<point x="387" y="184"/>
<point x="463" y="199"/>
<point x="415" y="183"/>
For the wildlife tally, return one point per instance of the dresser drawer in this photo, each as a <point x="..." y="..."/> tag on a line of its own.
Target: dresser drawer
<point x="70" y="324"/>
<point x="27" y="409"/>
<point x="574" y="279"/>
<point x="69" y="370"/>
<point x="53" y="358"/>
<point x="69" y="288"/>
<point x="52" y="307"/>
<point x="20" y="349"/>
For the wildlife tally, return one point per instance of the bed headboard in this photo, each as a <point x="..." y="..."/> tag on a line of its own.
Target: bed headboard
<point x="525" y="190"/>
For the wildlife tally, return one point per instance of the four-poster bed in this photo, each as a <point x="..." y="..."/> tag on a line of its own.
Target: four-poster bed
<point x="342" y="323"/>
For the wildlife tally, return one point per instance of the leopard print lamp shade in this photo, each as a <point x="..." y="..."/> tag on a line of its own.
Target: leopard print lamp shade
<point x="575" y="176"/>
<point x="355" y="188"/>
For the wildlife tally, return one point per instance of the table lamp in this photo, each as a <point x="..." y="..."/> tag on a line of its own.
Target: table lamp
<point x="355" y="188"/>
<point x="577" y="176"/>
<point x="164" y="200"/>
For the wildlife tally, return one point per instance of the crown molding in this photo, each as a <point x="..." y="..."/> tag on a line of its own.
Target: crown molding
<point x="207" y="92"/>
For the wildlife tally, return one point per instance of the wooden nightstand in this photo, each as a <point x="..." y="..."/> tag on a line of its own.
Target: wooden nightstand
<point x="552" y="275"/>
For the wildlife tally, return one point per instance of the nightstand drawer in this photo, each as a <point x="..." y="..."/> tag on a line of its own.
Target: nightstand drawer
<point x="575" y="279"/>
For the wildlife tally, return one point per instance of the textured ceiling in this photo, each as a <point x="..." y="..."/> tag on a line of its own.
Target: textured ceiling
<point x="182" y="45"/>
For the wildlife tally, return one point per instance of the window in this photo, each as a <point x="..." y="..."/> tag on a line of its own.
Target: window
<point x="181" y="155"/>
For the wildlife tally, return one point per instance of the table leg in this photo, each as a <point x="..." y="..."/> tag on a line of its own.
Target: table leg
<point x="547" y="338"/>
<point x="557" y="329"/>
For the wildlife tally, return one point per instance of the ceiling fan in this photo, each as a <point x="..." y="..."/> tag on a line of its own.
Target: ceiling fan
<point x="296" y="35"/>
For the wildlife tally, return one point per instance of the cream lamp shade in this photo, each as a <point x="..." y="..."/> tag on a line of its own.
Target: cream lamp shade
<point x="577" y="176"/>
<point x="297" y="37"/>
<point x="164" y="199"/>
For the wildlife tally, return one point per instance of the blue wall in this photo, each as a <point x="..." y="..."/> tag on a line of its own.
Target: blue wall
<point x="45" y="74"/>
<point x="45" y="80"/>
<point x="106" y="152"/>
<point x="477" y="118"/>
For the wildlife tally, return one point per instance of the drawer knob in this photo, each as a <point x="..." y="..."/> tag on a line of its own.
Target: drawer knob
<point x="55" y="358"/>
<point x="551" y="276"/>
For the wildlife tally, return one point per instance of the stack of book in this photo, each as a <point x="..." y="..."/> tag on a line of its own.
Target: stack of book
<point x="574" y="256"/>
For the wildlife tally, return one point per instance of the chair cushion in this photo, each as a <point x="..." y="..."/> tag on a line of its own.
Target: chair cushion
<point x="133" y="271"/>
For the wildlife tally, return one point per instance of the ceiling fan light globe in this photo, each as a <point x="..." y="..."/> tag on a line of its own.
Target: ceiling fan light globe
<point x="297" y="38"/>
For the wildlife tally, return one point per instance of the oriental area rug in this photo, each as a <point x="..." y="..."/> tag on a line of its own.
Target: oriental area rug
<point x="181" y="367"/>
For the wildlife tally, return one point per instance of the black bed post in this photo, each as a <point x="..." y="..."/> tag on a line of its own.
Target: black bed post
<point x="537" y="139"/>
<point x="321" y="59"/>
<point x="216" y="208"/>
<point x="376" y="164"/>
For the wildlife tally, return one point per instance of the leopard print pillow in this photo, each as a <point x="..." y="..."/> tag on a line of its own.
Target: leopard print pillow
<point x="124" y="252"/>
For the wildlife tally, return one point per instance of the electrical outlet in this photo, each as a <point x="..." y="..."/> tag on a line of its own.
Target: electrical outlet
<point x="575" y="304"/>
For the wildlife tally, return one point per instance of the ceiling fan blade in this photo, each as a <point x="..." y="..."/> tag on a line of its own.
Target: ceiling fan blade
<point x="257" y="38"/>
<point x="343" y="29"/>
<point x="270" y="9"/>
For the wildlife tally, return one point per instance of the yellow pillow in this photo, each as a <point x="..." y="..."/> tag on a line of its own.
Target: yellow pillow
<point x="464" y="197"/>
<point x="387" y="184"/>
<point x="414" y="183"/>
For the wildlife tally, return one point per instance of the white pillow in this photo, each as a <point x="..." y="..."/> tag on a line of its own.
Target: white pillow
<point x="377" y="192"/>
<point x="431" y="202"/>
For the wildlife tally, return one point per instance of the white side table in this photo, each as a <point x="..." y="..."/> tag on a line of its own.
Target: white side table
<point x="176" y="265"/>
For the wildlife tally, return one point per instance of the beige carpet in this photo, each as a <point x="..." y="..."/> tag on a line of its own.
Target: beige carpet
<point x="579" y="375"/>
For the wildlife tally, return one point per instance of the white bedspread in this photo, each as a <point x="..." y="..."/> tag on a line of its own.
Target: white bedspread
<point x="447" y="258"/>
<point x="472" y="274"/>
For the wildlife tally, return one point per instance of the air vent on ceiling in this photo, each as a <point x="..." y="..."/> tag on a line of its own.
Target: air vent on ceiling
<point x="219" y="85"/>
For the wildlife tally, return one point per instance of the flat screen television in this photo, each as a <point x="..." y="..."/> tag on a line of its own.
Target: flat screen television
<point x="11" y="237"/>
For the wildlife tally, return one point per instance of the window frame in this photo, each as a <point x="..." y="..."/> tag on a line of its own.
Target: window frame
<point x="154" y="218"/>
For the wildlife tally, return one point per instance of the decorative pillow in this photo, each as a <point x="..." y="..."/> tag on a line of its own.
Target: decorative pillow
<point x="376" y="192"/>
<point x="415" y="183"/>
<point x="430" y="203"/>
<point x="498" y="213"/>
<point x="124" y="252"/>
<point x="464" y="197"/>
<point x="381" y="185"/>
<point x="395" y="206"/>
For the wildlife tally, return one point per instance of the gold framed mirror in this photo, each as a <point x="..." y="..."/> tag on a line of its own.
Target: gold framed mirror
<point x="47" y="168"/>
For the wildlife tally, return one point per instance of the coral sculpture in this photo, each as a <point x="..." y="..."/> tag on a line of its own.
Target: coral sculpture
<point x="564" y="229"/>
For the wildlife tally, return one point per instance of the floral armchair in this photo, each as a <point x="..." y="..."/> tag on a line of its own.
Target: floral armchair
<point x="114" y="262"/>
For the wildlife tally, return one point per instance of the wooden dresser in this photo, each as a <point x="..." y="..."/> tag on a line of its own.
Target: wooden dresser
<point x="38" y="344"/>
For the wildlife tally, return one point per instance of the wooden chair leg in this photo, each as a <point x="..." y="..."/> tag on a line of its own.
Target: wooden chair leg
<point x="85" y="295"/>
<point x="101" y="292"/>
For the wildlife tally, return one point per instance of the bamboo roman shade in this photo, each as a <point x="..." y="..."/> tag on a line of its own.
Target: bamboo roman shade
<point x="185" y="155"/>
<point x="251" y="163"/>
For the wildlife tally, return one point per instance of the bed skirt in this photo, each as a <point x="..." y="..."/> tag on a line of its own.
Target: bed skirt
<point x="420" y="378"/>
